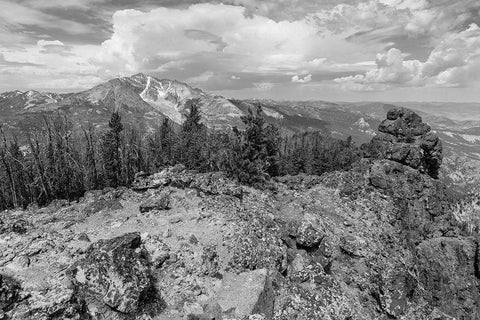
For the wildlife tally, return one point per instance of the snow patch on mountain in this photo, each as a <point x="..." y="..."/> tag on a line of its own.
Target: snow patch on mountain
<point x="272" y="113"/>
<point x="364" y="126"/>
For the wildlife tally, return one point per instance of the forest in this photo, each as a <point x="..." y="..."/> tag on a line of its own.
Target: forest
<point x="58" y="160"/>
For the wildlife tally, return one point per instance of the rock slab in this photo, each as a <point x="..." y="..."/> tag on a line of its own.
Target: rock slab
<point x="246" y="294"/>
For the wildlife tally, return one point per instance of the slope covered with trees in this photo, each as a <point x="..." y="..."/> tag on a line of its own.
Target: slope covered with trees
<point x="57" y="160"/>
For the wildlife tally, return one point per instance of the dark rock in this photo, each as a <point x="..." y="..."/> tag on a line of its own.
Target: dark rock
<point x="115" y="275"/>
<point x="9" y="293"/>
<point x="308" y="236"/>
<point x="210" y="263"/>
<point x="83" y="237"/>
<point x="19" y="226"/>
<point x="407" y="140"/>
<point x="446" y="268"/>
<point x="353" y="245"/>
<point x="193" y="240"/>
<point x="156" y="202"/>
<point x="308" y="233"/>
<point x="397" y="289"/>
<point x="100" y="205"/>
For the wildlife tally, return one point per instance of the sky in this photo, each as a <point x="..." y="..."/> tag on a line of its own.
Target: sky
<point x="350" y="50"/>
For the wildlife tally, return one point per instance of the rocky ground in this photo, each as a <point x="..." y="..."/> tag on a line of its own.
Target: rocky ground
<point x="376" y="242"/>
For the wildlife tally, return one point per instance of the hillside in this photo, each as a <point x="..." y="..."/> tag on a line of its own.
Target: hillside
<point x="143" y="101"/>
<point x="376" y="242"/>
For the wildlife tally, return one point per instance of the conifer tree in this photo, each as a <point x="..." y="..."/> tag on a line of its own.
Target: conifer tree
<point x="259" y="149"/>
<point x="191" y="151"/>
<point x="111" y="150"/>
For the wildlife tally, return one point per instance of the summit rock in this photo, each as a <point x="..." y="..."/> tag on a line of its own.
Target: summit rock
<point x="406" y="139"/>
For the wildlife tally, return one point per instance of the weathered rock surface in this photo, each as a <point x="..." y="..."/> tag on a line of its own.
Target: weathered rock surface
<point x="114" y="277"/>
<point x="9" y="294"/>
<point x="247" y="293"/>
<point x="406" y="139"/>
<point x="212" y="183"/>
<point x="447" y="268"/>
<point x="156" y="202"/>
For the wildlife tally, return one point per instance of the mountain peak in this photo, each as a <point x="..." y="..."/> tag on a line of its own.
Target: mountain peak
<point x="140" y="75"/>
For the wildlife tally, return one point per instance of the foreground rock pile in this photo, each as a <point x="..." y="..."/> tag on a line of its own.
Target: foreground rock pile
<point x="376" y="242"/>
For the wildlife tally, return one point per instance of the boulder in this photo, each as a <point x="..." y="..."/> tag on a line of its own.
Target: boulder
<point x="96" y="206"/>
<point x="406" y="139"/>
<point x="156" y="202"/>
<point x="9" y="293"/>
<point x="115" y="275"/>
<point x="19" y="226"/>
<point x="308" y="232"/>
<point x="447" y="272"/>
<point x="246" y="294"/>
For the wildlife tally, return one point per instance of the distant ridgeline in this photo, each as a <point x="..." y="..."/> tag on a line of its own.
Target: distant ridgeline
<point x="59" y="159"/>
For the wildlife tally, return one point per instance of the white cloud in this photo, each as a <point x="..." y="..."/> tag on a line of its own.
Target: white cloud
<point x="263" y="86"/>
<point x="201" y="78"/>
<point x="157" y="39"/>
<point x="43" y="43"/>
<point x="305" y="79"/>
<point x="454" y="62"/>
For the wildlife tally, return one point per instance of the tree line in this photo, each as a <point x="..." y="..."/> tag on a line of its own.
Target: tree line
<point x="56" y="161"/>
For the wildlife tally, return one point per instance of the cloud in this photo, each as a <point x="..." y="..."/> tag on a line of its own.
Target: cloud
<point x="186" y="42"/>
<point x="305" y="79"/>
<point x="263" y="86"/>
<point x="54" y="47"/>
<point x="15" y="15"/>
<point x="201" y="78"/>
<point x="244" y="46"/>
<point x="454" y="62"/>
<point x="7" y="63"/>
<point x="206" y="36"/>
<point x="44" y="43"/>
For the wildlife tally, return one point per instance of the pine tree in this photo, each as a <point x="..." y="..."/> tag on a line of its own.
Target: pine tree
<point x="259" y="149"/>
<point x="167" y="142"/>
<point x="92" y="178"/>
<point x="193" y="135"/>
<point x="111" y="150"/>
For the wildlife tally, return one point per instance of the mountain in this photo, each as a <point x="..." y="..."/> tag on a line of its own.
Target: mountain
<point x="143" y="101"/>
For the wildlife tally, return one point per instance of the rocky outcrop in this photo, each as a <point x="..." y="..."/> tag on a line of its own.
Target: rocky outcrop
<point x="406" y="139"/>
<point x="447" y="268"/>
<point x="114" y="278"/>
<point x="211" y="183"/>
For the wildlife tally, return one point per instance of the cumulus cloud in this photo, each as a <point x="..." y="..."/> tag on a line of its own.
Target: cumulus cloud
<point x="187" y="42"/>
<point x="452" y="63"/>
<point x="305" y="79"/>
